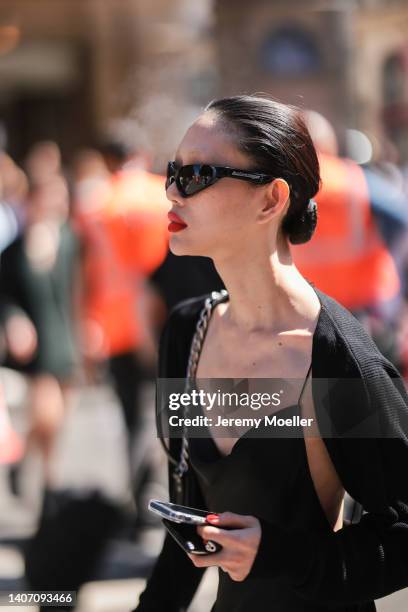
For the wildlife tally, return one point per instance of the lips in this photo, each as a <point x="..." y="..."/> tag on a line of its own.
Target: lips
<point x="176" y="219"/>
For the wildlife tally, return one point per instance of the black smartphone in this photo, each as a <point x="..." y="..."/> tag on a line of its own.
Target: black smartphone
<point x="181" y="522"/>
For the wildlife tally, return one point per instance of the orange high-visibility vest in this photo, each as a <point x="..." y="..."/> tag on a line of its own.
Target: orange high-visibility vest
<point x="346" y="257"/>
<point x="125" y="240"/>
<point x="136" y="217"/>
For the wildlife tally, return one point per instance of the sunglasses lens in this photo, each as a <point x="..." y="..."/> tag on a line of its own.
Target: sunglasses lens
<point x="171" y="172"/>
<point x="186" y="178"/>
<point x="195" y="178"/>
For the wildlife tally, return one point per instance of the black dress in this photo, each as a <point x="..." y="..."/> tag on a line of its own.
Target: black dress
<point x="283" y="493"/>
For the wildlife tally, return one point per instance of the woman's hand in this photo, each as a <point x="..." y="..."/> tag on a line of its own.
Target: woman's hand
<point x="240" y="545"/>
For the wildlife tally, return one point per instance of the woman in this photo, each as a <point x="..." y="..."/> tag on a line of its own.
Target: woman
<point x="288" y="549"/>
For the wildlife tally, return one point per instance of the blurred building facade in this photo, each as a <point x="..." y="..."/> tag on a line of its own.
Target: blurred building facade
<point x="347" y="60"/>
<point x="68" y="68"/>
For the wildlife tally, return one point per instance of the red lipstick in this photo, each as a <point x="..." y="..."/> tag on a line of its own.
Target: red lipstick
<point x="176" y="223"/>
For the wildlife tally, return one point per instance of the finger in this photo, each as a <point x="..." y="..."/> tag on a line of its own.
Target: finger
<point x="207" y="560"/>
<point x="216" y="535"/>
<point x="231" y="519"/>
<point x="221" y="536"/>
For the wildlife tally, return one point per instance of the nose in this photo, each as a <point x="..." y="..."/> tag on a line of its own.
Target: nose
<point x="173" y="194"/>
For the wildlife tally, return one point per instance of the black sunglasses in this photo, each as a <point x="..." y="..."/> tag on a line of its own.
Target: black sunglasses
<point x="195" y="177"/>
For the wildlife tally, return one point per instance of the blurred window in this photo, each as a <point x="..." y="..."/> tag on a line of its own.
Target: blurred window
<point x="394" y="79"/>
<point x="291" y="51"/>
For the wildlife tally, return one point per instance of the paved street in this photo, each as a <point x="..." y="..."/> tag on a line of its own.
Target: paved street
<point x="91" y="453"/>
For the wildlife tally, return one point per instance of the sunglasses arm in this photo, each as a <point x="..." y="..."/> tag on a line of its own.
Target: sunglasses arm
<point x="253" y="177"/>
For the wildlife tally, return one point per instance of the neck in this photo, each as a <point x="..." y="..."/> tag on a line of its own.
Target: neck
<point x="266" y="291"/>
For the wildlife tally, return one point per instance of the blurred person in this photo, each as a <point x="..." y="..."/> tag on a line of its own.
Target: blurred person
<point x="11" y="444"/>
<point x="14" y="183"/>
<point x="13" y="191"/>
<point x="37" y="285"/>
<point x="390" y="206"/>
<point x="13" y="187"/>
<point x="385" y="160"/>
<point x="361" y="218"/>
<point x="43" y="161"/>
<point x="91" y="190"/>
<point x="91" y="181"/>
<point x="120" y="211"/>
<point x="10" y="224"/>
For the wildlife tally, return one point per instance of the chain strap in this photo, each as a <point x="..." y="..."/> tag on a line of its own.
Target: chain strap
<point x="195" y="351"/>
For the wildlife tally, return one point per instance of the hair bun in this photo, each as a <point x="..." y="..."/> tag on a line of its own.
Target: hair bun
<point x="302" y="227"/>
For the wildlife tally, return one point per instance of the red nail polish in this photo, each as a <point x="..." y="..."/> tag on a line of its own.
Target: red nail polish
<point x="213" y="518"/>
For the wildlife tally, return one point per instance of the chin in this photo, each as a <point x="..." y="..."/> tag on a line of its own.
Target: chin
<point x="179" y="246"/>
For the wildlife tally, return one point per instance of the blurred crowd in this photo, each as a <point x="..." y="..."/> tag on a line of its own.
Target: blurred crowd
<point x="86" y="277"/>
<point x="86" y="281"/>
<point x="77" y="246"/>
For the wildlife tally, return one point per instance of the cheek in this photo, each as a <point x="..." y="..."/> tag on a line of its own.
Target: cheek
<point x="213" y="217"/>
<point x="234" y="217"/>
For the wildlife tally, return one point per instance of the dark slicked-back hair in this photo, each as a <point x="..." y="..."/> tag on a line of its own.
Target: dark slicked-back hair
<point x="275" y="137"/>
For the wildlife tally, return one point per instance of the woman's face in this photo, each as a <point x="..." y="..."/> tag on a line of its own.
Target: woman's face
<point x="221" y="219"/>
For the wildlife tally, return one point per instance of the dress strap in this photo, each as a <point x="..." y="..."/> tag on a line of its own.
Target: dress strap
<point x="304" y="382"/>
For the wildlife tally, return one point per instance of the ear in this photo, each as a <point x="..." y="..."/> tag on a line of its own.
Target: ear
<point x="275" y="201"/>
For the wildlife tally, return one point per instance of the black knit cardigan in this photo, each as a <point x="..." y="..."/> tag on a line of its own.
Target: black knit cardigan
<point x="360" y="562"/>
